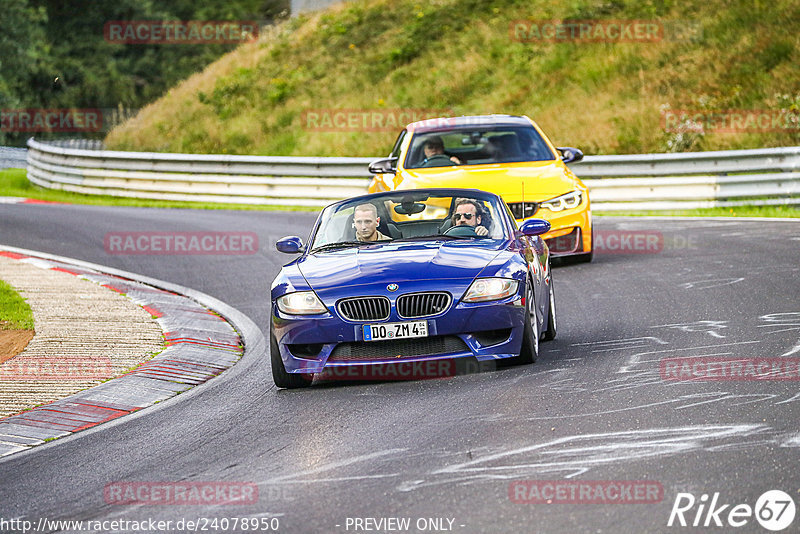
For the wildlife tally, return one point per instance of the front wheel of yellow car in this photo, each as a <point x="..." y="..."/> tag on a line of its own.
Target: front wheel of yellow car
<point x="589" y="256"/>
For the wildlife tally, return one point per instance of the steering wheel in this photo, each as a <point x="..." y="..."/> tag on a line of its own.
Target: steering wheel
<point x="464" y="230"/>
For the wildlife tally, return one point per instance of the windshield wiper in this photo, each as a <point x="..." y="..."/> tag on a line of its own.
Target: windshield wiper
<point x="433" y="237"/>
<point x="347" y="244"/>
<point x="339" y="244"/>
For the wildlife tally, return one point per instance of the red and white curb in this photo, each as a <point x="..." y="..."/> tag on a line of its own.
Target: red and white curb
<point x="23" y="200"/>
<point x="200" y="344"/>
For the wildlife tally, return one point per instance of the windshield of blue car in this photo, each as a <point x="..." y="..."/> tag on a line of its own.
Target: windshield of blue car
<point x="409" y="217"/>
<point x="477" y="146"/>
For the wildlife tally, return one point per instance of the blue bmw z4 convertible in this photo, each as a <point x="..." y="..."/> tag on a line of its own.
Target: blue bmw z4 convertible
<point x="411" y="276"/>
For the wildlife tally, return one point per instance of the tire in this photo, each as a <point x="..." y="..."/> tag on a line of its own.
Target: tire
<point x="550" y="332"/>
<point x="530" y="333"/>
<point x="585" y="258"/>
<point x="281" y="378"/>
<point x="589" y="256"/>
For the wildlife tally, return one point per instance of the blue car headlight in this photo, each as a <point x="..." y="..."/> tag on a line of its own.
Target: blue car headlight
<point x="485" y="289"/>
<point x="301" y="303"/>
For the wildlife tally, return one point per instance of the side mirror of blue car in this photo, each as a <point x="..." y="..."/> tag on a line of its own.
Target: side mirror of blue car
<point x="290" y="245"/>
<point x="534" y="227"/>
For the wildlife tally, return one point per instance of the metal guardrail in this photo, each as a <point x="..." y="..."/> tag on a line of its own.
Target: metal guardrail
<point x="13" y="158"/>
<point x="633" y="182"/>
<point x="277" y="180"/>
<point x="83" y="144"/>
<point x="769" y="176"/>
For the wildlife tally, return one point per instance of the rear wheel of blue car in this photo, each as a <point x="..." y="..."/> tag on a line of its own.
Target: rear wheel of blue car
<point x="550" y="332"/>
<point x="281" y="378"/>
<point x="530" y="333"/>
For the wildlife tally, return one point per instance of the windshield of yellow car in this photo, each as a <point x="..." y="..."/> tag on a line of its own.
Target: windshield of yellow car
<point x="476" y="146"/>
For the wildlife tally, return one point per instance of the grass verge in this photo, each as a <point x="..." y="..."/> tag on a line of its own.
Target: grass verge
<point x="14" y="183"/>
<point x="15" y="314"/>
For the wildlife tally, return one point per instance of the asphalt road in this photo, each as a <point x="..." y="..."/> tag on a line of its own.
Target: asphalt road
<point x="593" y="408"/>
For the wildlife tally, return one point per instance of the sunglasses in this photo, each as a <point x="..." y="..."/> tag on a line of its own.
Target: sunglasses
<point x="467" y="216"/>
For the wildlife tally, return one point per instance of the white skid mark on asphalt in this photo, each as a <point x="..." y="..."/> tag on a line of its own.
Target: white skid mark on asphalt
<point x="708" y="284"/>
<point x="637" y="359"/>
<point x="565" y="384"/>
<point x="720" y="395"/>
<point x="784" y="322"/>
<point x="577" y="473"/>
<point x="727" y="397"/>
<point x="609" y="345"/>
<point x="796" y="397"/>
<point x="297" y="477"/>
<point x="705" y="327"/>
<point x="793" y="441"/>
<point x="582" y="452"/>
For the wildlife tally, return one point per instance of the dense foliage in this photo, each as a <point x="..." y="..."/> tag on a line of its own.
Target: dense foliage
<point x="53" y="53"/>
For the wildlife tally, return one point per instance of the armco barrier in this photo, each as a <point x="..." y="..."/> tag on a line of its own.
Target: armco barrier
<point x="634" y="182"/>
<point x="769" y="176"/>
<point x="13" y="158"/>
<point x="285" y="181"/>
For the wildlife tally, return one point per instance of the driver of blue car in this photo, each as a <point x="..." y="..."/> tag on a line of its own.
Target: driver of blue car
<point x="468" y="213"/>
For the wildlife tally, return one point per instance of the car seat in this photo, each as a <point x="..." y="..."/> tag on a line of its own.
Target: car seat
<point x="504" y="147"/>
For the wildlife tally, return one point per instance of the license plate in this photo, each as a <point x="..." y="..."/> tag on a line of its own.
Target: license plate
<point x="379" y="332"/>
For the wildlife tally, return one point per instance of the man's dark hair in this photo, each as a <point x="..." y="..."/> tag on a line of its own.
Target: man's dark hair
<point x="435" y="142"/>
<point x="478" y="207"/>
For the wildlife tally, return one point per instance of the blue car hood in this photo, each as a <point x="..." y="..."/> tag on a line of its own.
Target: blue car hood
<point x="398" y="262"/>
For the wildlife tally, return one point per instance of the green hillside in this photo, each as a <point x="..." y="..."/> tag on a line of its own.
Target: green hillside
<point x="461" y="56"/>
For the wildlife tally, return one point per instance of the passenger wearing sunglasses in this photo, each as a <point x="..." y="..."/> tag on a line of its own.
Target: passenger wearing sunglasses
<point x="468" y="214"/>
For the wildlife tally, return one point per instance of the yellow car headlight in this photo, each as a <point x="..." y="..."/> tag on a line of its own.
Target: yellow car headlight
<point x="485" y="289"/>
<point x="301" y="303"/>
<point x="568" y="201"/>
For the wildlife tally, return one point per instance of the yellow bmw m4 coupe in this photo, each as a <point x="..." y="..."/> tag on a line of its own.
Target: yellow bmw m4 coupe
<point x="504" y="154"/>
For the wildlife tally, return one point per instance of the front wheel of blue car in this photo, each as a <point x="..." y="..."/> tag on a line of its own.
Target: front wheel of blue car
<point x="530" y="333"/>
<point x="282" y="378"/>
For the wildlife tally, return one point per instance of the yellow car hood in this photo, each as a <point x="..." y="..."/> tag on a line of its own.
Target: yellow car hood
<point x="542" y="180"/>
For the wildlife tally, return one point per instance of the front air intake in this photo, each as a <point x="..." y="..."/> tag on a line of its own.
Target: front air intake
<point x="415" y="305"/>
<point x="364" y="308"/>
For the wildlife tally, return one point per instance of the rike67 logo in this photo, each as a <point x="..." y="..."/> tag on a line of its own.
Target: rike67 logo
<point x="774" y="510"/>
